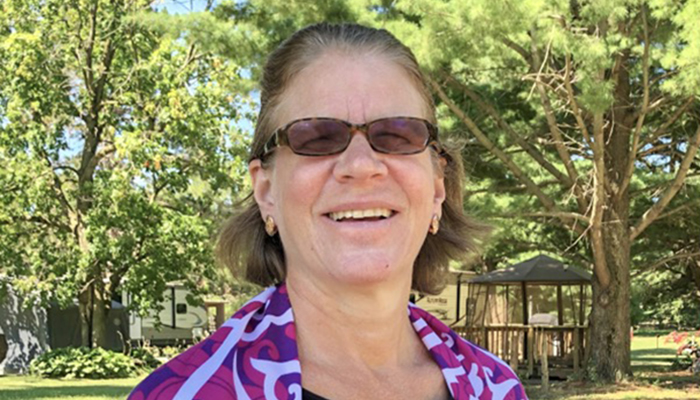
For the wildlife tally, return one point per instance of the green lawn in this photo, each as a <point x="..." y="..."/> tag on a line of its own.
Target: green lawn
<point x="651" y="359"/>
<point x="26" y="388"/>
<point x="653" y="380"/>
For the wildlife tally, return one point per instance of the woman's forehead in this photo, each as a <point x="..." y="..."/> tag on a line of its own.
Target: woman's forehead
<point x="354" y="87"/>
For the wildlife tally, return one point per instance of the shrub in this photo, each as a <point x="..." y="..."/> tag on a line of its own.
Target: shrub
<point x="81" y="362"/>
<point x="144" y="357"/>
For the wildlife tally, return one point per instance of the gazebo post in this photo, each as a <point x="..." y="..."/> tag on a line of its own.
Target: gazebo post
<point x="467" y="309"/>
<point x="560" y="320"/>
<point x="560" y="306"/>
<point x="525" y="316"/>
<point x="523" y="287"/>
<point x="483" y="319"/>
<point x="507" y="342"/>
<point x="507" y="304"/>
<point x="582" y="337"/>
<point x="582" y="299"/>
<point x="459" y="295"/>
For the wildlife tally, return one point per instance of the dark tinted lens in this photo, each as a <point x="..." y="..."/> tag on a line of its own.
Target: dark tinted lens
<point x="399" y="135"/>
<point x="318" y="137"/>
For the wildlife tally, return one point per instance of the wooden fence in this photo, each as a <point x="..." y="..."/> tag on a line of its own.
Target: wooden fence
<point x="523" y="346"/>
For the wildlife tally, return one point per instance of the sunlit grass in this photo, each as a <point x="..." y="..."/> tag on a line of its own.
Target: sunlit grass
<point x="28" y="387"/>
<point x="652" y="358"/>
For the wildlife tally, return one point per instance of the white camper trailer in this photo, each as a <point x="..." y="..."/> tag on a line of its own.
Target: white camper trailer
<point x="180" y="322"/>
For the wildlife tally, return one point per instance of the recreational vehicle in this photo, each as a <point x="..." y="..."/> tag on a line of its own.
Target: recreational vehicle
<point x="179" y="321"/>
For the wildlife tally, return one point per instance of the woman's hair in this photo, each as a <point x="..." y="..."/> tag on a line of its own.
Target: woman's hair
<point x="244" y="246"/>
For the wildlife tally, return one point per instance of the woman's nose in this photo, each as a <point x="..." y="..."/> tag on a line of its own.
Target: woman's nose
<point x="359" y="160"/>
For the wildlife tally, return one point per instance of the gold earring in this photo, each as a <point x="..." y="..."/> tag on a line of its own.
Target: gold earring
<point x="270" y="226"/>
<point x="434" y="225"/>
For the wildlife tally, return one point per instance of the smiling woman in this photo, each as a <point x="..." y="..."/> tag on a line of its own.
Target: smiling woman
<point x="355" y="202"/>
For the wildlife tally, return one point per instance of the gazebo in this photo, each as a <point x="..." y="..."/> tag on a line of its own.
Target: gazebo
<point x="513" y="311"/>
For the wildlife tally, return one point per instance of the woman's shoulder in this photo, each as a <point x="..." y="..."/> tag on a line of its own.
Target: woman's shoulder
<point x="213" y="367"/>
<point x="168" y="380"/>
<point x="469" y="366"/>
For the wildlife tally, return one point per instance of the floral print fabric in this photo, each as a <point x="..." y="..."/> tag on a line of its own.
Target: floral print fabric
<point x="254" y="356"/>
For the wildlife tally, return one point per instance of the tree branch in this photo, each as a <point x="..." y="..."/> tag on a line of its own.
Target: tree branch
<point x="598" y="206"/>
<point x="572" y="100"/>
<point x="655" y="149"/>
<point x="37" y="220"/>
<point x="665" y="260"/>
<point x="655" y="210"/>
<point x="675" y="211"/>
<point x="58" y="186"/>
<point x="484" y="140"/>
<point x="89" y="49"/>
<point x="558" y="214"/>
<point x="664" y="127"/>
<point x="632" y="154"/>
<point x="518" y="49"/>
<point x="557" y="134"/>
<point x="533" y="152"/>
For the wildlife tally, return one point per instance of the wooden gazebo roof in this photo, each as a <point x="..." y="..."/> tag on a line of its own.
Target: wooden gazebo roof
<point x="542" y="270"/>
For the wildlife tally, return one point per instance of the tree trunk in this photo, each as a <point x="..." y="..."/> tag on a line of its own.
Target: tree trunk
<point x="85" y="311"/>
<point x="609" y="357"/>
<point x="100" y="315"/>
<point x="94" y="304"/>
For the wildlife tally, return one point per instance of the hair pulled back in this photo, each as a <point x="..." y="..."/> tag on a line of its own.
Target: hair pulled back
<point x="245" y="247"/>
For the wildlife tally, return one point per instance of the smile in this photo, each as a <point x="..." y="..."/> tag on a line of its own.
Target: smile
<point x="374" y="213"/>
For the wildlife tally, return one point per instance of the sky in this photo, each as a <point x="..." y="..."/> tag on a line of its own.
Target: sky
<point x="180" y="6"/>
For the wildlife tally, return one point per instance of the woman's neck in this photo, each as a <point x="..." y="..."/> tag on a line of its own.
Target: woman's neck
<point x="367" y="327"/>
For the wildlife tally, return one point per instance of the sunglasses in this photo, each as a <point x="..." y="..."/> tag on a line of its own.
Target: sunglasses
<point x="328" y="136"/>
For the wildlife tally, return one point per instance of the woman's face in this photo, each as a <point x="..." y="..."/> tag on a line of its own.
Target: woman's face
<point x="306" y="195"/>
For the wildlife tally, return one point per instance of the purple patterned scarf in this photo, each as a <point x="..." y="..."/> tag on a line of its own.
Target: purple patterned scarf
<point x="254" y="356"/>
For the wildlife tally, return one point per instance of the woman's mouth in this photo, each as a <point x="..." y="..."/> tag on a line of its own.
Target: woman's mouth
<point x="373" y="214"/>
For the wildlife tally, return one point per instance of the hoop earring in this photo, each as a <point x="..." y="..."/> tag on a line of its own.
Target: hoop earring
<point x="270" y="226"/>
<point x="434" y="225"/>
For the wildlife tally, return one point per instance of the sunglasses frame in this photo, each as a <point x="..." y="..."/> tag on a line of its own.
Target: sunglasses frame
<point x="280" y="135"/>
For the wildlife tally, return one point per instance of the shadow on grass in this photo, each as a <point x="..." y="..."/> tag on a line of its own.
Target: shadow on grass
<point x="647" y="380"/>
<point x="669" y="379"/>
<point x="565" y="390"/>
<point x="653" y="356"/>
<point x="58" y="392"/>
<point x="660" y="352"/>
<point x="638" y="389"/>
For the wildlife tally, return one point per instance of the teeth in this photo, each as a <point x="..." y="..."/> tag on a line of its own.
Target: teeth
<point x="359" y="214"/>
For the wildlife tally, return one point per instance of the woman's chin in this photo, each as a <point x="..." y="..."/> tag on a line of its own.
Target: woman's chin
<point x="368" y="270"/>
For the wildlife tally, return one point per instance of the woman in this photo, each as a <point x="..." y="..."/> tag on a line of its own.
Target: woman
<point x="355" y="202"/>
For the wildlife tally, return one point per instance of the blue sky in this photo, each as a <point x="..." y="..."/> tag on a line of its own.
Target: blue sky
<point x="180" y="6"/>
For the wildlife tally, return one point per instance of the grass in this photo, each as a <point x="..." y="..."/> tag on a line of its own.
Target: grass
<point x="651" y="359"/>
<point x="653" y="379"/>
<point x="28" y="387"/>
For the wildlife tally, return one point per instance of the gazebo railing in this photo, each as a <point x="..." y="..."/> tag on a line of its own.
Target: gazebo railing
<point x="523" y="346"/>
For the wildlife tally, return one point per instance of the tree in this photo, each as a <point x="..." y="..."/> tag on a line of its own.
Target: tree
<point x="611" y="96"/>
<point x="584" y="111"/>
<point x="119" y="149"/>
<point x="666" y="270"/>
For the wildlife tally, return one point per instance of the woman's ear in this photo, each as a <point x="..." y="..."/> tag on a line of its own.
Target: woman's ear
<point x="439" y="196"/>
<point x="262" y="187"/>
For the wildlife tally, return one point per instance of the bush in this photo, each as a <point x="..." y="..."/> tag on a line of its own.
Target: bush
<point x="81" y="362"/>
<point x="681" y="363"/>
<point x="144" y="357"/>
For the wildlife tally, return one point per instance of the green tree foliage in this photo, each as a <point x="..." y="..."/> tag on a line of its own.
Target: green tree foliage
<point x="666" y="270"/>
<point x="582" y="116"/>
<point x="119" y="151"/>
